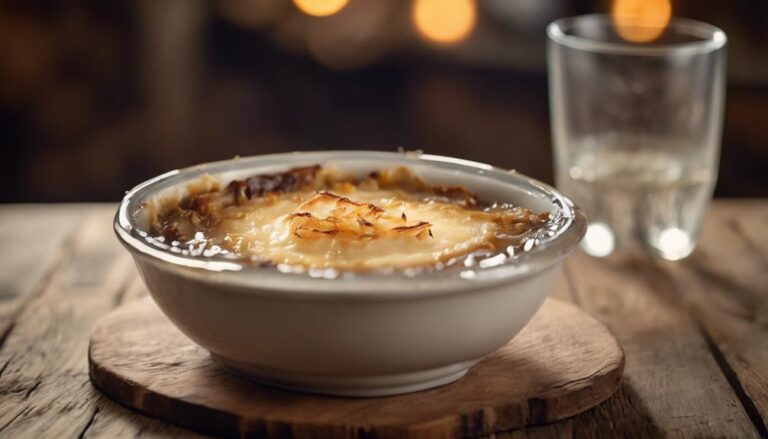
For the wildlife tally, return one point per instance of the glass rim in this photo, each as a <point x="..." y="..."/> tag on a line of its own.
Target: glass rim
<point x="712" y="37"/>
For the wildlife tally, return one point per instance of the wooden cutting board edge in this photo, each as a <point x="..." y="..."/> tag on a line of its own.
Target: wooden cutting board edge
<point x="561" y="401"/>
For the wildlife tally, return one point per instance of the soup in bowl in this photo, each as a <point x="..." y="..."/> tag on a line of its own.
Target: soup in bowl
<point x="348" y="272"/>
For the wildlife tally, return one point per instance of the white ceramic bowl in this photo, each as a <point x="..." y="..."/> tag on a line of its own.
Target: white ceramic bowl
<point x="364" y="335"/>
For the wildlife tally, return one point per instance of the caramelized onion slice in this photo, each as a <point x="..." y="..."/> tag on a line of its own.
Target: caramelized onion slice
<point x="328" y="215"/>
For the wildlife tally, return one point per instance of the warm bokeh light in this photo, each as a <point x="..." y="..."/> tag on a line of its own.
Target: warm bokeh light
<point x="320" y="8"/>
<point x="444" y="21"/>
<point x="641" y="21"/>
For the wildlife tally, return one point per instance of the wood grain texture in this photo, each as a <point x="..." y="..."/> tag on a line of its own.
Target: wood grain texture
<point x="725" y="286"/>
<point x="26" y="263"/>
<point x="44" y="385"/>
<point x="711" y="315"/>
<point x="564" y="362"/>
<point x="672" y="384"/>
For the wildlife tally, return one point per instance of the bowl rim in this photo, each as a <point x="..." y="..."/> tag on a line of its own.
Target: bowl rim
<point x="548" y="253"/>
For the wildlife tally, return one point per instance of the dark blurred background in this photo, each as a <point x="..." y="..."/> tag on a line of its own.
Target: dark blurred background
<point x="96" y="96"/>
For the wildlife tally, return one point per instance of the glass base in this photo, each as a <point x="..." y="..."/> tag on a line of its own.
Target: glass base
<point x="671" y="244"/>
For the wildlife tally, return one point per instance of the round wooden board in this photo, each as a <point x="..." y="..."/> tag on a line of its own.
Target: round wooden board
<point x="563" y="363"/>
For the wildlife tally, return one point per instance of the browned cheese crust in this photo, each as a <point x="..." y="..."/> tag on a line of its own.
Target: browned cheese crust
<point x="321" y="217"/>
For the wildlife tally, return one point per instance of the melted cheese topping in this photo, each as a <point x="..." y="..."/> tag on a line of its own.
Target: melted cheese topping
<point x="348" y="228"/>
<point x="272" y="232"/>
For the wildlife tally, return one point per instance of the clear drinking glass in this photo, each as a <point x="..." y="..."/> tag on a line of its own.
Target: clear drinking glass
<point x="636" y="130"/>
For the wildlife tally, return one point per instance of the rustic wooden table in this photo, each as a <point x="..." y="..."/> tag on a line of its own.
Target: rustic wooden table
<point x="695" y="332"/>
